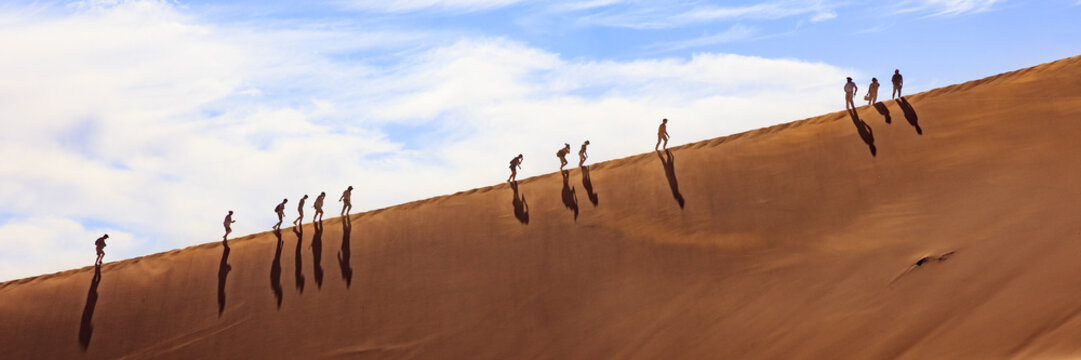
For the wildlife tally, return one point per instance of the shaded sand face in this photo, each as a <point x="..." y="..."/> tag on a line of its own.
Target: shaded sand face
<point x="949" y="232"/>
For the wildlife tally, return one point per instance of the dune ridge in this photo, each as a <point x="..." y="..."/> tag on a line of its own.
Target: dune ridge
<point x="947" y="232"/>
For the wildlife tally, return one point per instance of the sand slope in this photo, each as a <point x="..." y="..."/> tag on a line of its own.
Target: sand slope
<point x="788" y="242"/>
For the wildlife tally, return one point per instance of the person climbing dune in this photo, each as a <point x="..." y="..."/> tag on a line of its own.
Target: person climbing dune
<point x="662" y="134"/>
<point x="872" y="92"/>
<point x="348" y="205"/>
<point x="582" y="156"/>
<point x="99" y="244"/>
<point x="319" y="206"/>
<point x="898" y="82"/>
<point x="515" y="163"/>
<point x="228" y="222"/>
<point x="300" y="211"/>
<point x="562" y="155"/>
<point x="850" y="91"/>
<point x="280" y="210"/>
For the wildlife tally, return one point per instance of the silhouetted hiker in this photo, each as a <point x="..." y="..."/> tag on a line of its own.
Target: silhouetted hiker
<point x="276" y="269"/>
<point x="587" y="183"/>
<point x="669" y="162"/>
<point x="850" y="91"/>
<point x="345" y="198"/>
<point x="300" y="210"/>
<point x="872" y="92"/>
<point x="662" y="134"/>
<point x="521" y="208"/>
<point x="898" y="81"/>
<point x="515" y="163"/>
<point x="228" y="229"/>
<point x="223" y="274"/>
<point x="100" y="244"/>
<point x="570" y="195"/>
<point x="280" y="209"/>
<point x="562" y="155"/>
<point x="319" y="206"/>
<point x="582" y="156"/>
<point x="299" y="268"/>
<point x="86" y="328"/>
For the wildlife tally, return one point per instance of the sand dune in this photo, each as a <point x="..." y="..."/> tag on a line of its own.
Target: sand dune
<point x="944" y="226"/>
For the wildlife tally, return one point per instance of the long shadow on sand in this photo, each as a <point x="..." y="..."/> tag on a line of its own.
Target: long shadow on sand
<point x="521" y="207"/>
<point x="317" y="254"/>
<point x="223" y="273"/>
<point x="276" y="270"/>
<point x="86" y="328"/>
<point x="669" y="162"/>
<point x="345" y="256"/>
<point x="587" y="183"/>
<point x="865" y="131"/>
<point x="885" y="112"/>
<point x="570" y="197"/>
<point x="299" y="232"/>
<point x="910" y="114"/>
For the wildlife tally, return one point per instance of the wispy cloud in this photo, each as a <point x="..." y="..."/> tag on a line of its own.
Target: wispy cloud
<point x="570" y="6"/>
<point x="398" y="6"/>
<point x="946" y="7"/>
<point x="659" y="15"/>
<point x="735" y="33"/>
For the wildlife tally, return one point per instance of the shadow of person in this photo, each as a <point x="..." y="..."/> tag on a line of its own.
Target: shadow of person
<point x="345" y="256"/>
<point x="521" y="208"/>
<point x="299" y="259"/>
<point x="86" y="328"/>
<point x="587" y="183"/>
<point x="884" y="111"/>
<point x="223" y="273"/>
<point x="317" y="254"/>
<point x="865" y="132"/>
<point x="910" y="114"/>
<point x="570" y="197"/>
<point x="669" y="162"/>
<point x="276" y="270"/>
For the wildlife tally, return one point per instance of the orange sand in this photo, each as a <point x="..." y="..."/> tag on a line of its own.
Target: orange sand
<point x="793" y="242"/>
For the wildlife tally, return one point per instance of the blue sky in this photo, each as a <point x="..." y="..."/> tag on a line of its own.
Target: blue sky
<point x="947" y="41"/>
<point x="150" y="119"/>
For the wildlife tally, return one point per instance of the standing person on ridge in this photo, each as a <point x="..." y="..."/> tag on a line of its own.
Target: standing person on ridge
<point x="346" y="199"/>
<point x="850" y="91"/>
<point x="872" y="92"/>
<point x="100" y="245"/>
<point x="562" y="155"/>
<point x="228" y="229"/>
<point x="898" y="81"/>
<point x="280" y="210"/>
<point x="582" y="156"/>
<point x="300" y="209"/>
<point x="662" y="134"/>
<point x="515" y="163"/>
<point x="319" y="206"/>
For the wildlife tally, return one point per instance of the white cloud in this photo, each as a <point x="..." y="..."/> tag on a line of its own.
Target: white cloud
<point x="42" y="245"/>
<point x="583" y="5"/>
<point x="946" y="7"/>
<point x="669" y="14"/>
<point x="140" y="116"/>
<point x="735" y="33"/>
<point x="397" y="6"/>
<point x="824" y="15"/>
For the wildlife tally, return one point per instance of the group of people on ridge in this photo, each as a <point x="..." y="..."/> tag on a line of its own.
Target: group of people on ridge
<point x="345" y="199"/>
<point x="516" y="163"/>
<point x="872" y="90"/>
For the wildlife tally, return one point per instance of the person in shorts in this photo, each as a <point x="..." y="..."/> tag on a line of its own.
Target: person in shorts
<point x="100" y="245"/>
